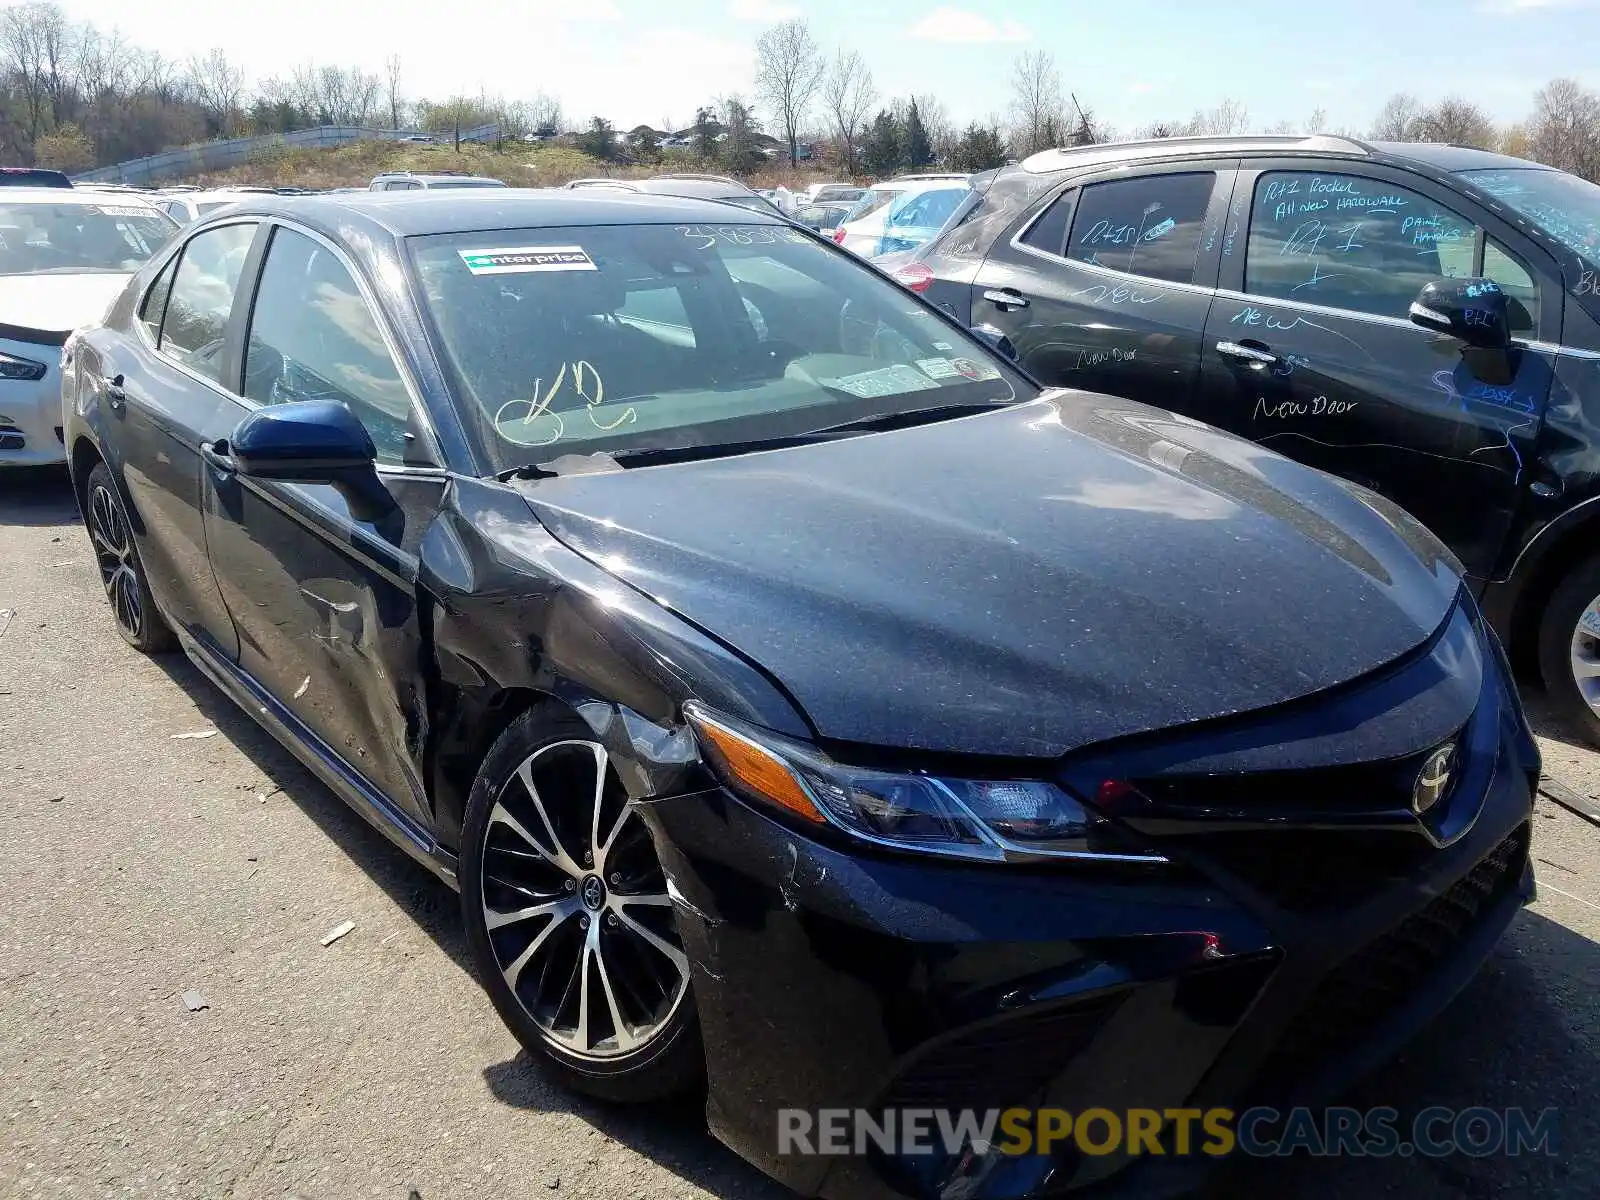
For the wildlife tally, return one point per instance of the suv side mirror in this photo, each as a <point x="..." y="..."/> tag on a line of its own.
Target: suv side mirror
<point x="1474" y="310"/>
<point x="308" y="441"/>
<point x="995" y="340"/>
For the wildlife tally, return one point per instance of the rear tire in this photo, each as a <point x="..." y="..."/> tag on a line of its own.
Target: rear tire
<point x="1569" y="650"/>
<point x="122" y="575"/>
<point x="567" y="915"/>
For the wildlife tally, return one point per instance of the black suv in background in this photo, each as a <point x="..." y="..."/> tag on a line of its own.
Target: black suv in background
<point x="1420" y="319"/>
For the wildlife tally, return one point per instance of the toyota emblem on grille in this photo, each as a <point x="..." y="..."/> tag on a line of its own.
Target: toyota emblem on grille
<point x="1433" y="781"/>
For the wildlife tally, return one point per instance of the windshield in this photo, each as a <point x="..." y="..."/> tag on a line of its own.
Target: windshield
<point x="38" y="239"/>
<point x="755" y="203"/>
<point x="589" y="339"/>
<point x="1564" y="206"/>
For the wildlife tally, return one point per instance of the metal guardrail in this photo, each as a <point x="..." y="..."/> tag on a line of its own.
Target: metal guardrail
<point x="217" y="156"/>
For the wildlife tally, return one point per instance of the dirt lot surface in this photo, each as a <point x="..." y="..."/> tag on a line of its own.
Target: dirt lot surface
<point x="140" y="865"/>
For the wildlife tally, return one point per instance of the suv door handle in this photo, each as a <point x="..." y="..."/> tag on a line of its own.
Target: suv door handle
<point x="216" y="453"/>
<point x="1258" y="355"/>
<point x="1006" y="298"/>
<point x="116" y="395"/>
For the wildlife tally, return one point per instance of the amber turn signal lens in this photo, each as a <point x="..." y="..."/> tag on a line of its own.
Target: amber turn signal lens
<point x="754" y="769"/>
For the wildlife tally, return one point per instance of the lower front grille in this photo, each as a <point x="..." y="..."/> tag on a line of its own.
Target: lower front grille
<point x="11" y="439"/>
<point x="1002" y="1063"/>
<point x="1369" y="985"/>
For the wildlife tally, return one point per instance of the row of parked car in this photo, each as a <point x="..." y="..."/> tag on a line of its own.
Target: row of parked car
<point x="831" y="686"/>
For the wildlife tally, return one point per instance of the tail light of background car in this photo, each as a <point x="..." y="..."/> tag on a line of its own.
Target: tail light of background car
<point x="838" y="235"/>
<point x="918" y="277"/>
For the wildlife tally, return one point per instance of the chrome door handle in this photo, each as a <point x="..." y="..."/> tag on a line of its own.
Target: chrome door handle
<point x="116" y="395"/>
<point x="1248" y="354"/>
<point x="1004" y="298"/>
<point x="216" y="453"/>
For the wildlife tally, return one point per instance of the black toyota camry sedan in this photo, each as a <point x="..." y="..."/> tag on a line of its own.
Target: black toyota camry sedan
<point x="805" y="703"/>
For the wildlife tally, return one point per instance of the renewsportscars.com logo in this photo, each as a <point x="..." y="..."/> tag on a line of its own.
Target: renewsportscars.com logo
<point x="1176" y="1132"/>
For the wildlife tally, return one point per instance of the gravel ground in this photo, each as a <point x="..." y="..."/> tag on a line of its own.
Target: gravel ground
<point x="141" y="865"/>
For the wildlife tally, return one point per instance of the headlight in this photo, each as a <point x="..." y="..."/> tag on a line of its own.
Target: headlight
<point x="990" y="820"/>
<point x="14" y="367"/>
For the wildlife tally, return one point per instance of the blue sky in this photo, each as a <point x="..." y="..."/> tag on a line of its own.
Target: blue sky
<point x="655" y="60"/>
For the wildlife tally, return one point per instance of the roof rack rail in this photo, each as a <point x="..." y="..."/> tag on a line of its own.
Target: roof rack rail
<point x="701" y="175"/>
<point x="1043" y="159"/>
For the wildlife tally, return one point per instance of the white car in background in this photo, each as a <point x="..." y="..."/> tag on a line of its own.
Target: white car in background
<point x="184" y="207"/>
<point x="64" y="256"/>
<point x="900" y="214"/>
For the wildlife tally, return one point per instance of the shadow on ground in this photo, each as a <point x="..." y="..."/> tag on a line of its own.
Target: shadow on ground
<point x="37" y="496"/>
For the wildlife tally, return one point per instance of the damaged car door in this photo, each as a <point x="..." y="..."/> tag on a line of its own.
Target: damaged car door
<point x="320" y="577"/>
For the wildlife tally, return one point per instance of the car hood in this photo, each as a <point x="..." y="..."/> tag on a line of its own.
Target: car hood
<point x="1022" y="582"/>
<point x="58" y="303"/>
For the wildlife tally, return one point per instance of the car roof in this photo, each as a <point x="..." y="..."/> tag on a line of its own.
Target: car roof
<point x="1437" y="155"/>
<point x="50" y="195"/>
<point x="409" y="214"/>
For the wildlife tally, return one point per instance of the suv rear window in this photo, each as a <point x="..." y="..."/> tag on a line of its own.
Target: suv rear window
<point x="1146" y="226"/>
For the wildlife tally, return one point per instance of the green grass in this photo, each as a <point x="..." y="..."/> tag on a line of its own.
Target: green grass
<point x="355" y="164"/>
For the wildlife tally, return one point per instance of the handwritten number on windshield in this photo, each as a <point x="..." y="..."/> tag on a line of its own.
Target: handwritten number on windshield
<point x="532" y="423"/>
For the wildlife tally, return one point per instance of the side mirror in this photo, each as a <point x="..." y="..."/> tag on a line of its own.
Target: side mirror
<point x="309" y="441"/>
<point x="1475" y="311"/>
<point x="995" y="340"/>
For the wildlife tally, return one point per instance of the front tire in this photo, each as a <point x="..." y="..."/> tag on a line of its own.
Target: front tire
<point x="567" y="914"/>
<point x="1569" y="650"/>
<point x="121" y="573"/>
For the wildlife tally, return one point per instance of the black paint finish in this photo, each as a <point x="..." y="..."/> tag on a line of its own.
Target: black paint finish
<point x="1496" y="451"/>
<point x="1020" y="583"/>
<point x="1077" y="588"/>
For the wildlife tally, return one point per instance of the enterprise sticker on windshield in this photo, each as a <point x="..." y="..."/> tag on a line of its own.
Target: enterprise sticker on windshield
<point x="523" y="260"/>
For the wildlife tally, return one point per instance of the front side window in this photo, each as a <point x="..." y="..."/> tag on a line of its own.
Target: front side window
<point x="154" y="305"/>
<point x="74" y="239"/>
<point x="579" y="340"/>
<point x="1516" y="282"/>
<point x="313" y="337"/>
<point x="1349" y="242"/>
<point x="202" y="297"/>
<point x="1146" y="226"/>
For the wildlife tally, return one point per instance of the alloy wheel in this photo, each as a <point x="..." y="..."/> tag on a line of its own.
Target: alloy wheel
<point x="1585" y="654"/>
<point x="113" y="551"/>
<point x="576" y="907"/>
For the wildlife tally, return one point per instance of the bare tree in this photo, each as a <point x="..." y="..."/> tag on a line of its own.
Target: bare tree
<point x="218" y="87"/>
<point x="789" y="69"/>
<point x="1564" y="130"/>
<point x="1397" y="119"/>
<point x="544" y="115"/>
<point x="942" y="132"/>
<point x="1226" y="119"/>
<point x="391" y="86"/>
<point x="1036" y="104"/>
<point x="848" y="95"/>
<point x="1458" y="122"/>
<point x="34" y="42"/>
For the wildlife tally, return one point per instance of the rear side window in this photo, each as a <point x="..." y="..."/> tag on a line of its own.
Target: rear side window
<point x="1147" y="226"/>
<point x="927" y="209"/>
<point x="202" y="296"/>
<point x="1049" y="232"/>
<point x="1349" y="242"/>
<point x="873" y="204"/>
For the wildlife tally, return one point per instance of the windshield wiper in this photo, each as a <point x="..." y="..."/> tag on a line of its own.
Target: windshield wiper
<point x="647" y="456"/>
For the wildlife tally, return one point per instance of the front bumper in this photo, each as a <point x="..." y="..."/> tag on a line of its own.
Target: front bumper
<point x="828" y="979"/>
<point x="30" y="411"/>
